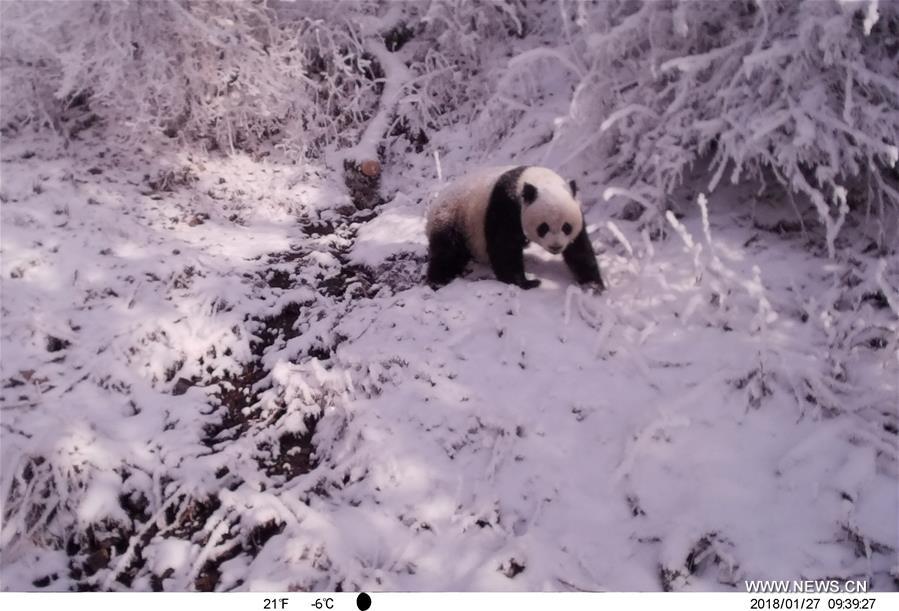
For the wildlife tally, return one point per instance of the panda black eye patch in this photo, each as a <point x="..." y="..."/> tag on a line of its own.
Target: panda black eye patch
<point x="566" y="228"/>
<point x="542" y="229"/>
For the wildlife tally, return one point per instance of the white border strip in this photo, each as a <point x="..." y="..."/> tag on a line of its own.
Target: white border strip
<point x="449" y="601"/>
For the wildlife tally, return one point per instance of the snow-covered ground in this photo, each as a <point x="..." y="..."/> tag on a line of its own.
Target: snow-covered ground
<point x="216" y="377"/>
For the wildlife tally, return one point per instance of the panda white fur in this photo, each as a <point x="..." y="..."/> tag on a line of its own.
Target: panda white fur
<point x="491" y="215"/>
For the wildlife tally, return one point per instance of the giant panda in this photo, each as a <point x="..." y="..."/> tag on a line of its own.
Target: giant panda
<point x="490" y="216"/>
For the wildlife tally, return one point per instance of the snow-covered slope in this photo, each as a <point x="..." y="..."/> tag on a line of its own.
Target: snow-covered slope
<point x="214" y="380"/>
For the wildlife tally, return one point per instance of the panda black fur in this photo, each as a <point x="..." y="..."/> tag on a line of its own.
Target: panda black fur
<point x="490" y="216"/>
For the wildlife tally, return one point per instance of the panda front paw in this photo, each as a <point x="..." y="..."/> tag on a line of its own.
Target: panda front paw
<point x="529" y="284"/>
<point x="594" y="288"/>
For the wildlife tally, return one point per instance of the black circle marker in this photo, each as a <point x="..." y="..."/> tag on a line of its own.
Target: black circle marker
<point x="363" y="601"/>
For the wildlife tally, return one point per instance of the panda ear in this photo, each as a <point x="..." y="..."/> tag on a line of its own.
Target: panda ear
<point x="573" y="186"/>
<point x="529" y="193"/>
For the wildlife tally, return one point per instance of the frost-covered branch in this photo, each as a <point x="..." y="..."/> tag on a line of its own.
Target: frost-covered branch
<point x="805" y="92"/>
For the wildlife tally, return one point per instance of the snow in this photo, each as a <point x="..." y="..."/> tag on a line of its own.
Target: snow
<point x="399" y="228"/>
<point x="168" y="554"/>
<point x="682" y="423"/>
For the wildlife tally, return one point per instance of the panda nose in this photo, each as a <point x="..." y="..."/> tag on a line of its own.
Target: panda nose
<point x="555" y="249"/>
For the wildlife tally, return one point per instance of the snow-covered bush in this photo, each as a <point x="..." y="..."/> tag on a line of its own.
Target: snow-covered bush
<point x="805" y="92"/>
<point x="305" y="75"/>
<point x="204" y="69"/>
<point x="456" y="42"/>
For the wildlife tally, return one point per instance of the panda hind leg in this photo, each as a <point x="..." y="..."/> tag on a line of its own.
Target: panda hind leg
<point x="447" y="256"/>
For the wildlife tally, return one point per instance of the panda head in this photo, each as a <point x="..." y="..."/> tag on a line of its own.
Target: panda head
<point x="550" y="213"/>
